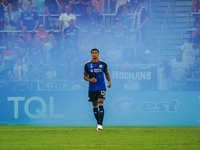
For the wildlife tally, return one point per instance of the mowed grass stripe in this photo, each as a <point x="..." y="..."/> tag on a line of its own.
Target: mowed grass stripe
<point x="33" y="137"/>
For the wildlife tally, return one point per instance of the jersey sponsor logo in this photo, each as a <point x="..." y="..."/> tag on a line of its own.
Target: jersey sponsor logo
<point x="97" y="70"/>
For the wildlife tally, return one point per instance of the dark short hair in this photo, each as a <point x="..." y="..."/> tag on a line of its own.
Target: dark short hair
<point x="94" y="49"/>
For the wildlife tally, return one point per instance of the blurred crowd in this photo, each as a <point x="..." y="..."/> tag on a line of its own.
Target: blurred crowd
<point x="52" y="39"/>
<point x="37" y="36"/>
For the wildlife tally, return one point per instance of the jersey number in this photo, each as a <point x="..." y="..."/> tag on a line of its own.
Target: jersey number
<point x="103" y="93"/>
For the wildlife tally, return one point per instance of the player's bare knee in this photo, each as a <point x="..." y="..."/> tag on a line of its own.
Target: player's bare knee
<point x="100" y="100"/>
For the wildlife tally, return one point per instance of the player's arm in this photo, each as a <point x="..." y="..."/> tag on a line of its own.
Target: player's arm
<point x="88" y="79"/>
<point x="60" y="25"/>
<point x="108" y="78"/>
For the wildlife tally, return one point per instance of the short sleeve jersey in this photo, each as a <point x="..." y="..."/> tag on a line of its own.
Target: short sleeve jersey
<point x="29" y="19"/>
<point x="72" y="33"/>
<point x="96" y="70"/>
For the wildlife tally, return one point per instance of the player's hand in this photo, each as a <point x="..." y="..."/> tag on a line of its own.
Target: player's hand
<point x="93" y="79"/>
<point x="109" y="84"/>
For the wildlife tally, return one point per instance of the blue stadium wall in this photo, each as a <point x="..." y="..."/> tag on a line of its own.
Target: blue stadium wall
<point x="122" y="108"/>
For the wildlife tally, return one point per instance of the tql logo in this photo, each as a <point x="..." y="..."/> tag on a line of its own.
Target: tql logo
<point x="40" y="112"/>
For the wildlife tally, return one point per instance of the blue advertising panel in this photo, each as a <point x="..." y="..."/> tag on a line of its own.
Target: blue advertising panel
<point x="133" y="77"/>
<point x="126" y="108"/>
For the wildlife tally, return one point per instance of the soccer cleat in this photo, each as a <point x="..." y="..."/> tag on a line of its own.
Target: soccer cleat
<point x="99" y="127"/>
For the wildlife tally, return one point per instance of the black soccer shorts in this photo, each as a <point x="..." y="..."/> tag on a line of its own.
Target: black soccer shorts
<point x="95" y="95"/>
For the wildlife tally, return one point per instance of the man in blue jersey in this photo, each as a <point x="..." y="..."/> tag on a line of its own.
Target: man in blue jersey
<point x="29" y="18"/>
<point x="94" y="71"/>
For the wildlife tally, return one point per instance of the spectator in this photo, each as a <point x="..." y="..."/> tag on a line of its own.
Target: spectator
<point x="71" y="32"/>
<point x="29" y="18"/>
<point x="140" y="19"/>
<point x="179" y="70"/>
<point x="27" y="36"/>
<point x="121" y="3"/>
<point x="196" y="33"/>
<point x="11" y="21"/>
<point x="91" y="15"/>
<point x="123" y="14"/>
<point x="4" y="5"/>
<point x="63" y="3"/>
<point x="8" y="57"/>
<point x="20" y="71"/>
<point x="65" y="18"/>
<point x="190" y="51"/>
<point x="51" y="50"/>
<point x="14" y="3"/>
<point x="22" y="5"/>
<point x="22" y="48"/>
<point x="73" y="72"/>
<point x="98" y="6"/>
<point x="195" y="6"/>
<point x="35" y="73"/>
<point x="51" y="73"/>
<point x="96" y="33"/>
<point x="79" y="6"/>
<point x="5" y="73"/>
<point x="35" y="53"/>
<point x="119" y="33"/>
<point x="42" y="34"/>
<point x="10" y="54"/>
<point x="52" y="7"/>
<point x="71" y="50"/>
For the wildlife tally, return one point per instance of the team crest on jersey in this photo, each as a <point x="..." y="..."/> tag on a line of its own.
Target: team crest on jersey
<point x="100" y="66"/>
<point x="90" y="65"/>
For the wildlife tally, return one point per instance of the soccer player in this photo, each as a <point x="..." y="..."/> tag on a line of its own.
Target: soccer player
<point x="94" y="71"/>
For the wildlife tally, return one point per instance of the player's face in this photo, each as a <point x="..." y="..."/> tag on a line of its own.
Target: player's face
<point x="95" y="55"/>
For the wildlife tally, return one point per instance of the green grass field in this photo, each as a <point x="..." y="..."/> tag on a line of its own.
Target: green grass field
<point x="87" y="138"/>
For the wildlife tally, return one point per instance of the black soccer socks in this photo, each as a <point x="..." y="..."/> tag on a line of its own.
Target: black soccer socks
<point x="96" y="113"/>
<point x="101" y="113"/>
